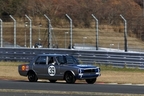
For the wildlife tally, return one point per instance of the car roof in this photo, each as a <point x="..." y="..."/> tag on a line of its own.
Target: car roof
<point x="52" y="54"/>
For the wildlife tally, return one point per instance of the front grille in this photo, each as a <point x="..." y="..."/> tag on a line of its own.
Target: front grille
<point x="89" y="70"/>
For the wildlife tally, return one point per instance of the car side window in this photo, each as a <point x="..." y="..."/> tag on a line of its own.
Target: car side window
<point x="41" y="60"/>
<point x="67" y="60"/>
<point x="70" y="60"/>
<point x="61" y="59"/>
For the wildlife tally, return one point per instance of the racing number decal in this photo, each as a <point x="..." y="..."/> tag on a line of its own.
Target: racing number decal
<point x="51" y="70"/>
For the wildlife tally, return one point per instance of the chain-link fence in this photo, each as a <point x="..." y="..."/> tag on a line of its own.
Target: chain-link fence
<point x="109" y="36"/>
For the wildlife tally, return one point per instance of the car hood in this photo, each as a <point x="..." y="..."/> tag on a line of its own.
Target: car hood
<point x="83" y="66"/>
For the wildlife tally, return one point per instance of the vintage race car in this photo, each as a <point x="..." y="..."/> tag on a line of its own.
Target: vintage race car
<point x="58" y="67"/>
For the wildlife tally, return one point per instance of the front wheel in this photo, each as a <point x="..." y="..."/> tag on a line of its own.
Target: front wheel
<point x="91" y="81"/>
<point x="69" y="77"/>
<point x="32" y="77"/>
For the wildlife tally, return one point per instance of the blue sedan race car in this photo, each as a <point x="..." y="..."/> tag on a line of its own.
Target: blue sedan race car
<point x="58" y="67"/>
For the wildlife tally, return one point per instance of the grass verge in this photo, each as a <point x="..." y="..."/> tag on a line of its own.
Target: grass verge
<point x="124" y="69"/>
<point x="109" y="74"/>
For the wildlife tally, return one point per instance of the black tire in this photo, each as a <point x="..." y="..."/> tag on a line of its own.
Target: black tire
<point x="32" y="77"/>
<point x="52" y="81"/>
<point x="70" y="78"/>
<point x="91" y="81"/>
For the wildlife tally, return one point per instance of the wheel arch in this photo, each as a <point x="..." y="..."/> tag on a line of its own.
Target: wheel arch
<point x="68" y="71"/>
<point x="31" y="71"/>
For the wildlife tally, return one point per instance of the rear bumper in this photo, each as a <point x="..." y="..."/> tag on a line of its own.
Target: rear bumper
<point x="23" y="73"/>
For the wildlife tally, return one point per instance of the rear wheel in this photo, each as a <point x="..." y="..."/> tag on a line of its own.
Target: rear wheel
<point x="32" y="77"/>
<point x="52" y="81"/>
<point x="91" y="81"/>
<point x="69" y="77"/>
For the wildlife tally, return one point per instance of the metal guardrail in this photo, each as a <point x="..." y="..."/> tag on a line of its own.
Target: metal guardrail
<point x="119" y="59"/>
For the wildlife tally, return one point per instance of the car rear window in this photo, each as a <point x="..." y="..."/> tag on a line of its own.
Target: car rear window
<point x="41" y="60"/>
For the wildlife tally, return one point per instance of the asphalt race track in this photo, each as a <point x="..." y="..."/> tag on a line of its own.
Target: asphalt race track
<point x="41" y="88"/>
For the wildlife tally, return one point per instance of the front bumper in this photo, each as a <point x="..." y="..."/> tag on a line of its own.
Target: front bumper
<point x="88" y="75"/>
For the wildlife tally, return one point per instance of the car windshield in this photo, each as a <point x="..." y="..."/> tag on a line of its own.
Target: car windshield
<point x="67" y="60"/>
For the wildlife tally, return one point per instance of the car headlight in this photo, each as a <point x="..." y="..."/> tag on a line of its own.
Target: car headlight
<point x="81" y="71"/>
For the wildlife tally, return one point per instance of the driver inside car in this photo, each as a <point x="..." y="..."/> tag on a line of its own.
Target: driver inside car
<point x="52" y="61"/>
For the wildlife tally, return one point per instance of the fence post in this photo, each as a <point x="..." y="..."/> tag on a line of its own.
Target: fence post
<point x="30" y="30"/>
<point x="49" y="32"/>
<point x="1" y="32"/>
<point x="96" y="31"/>
<point x="70" y="31"/>
<point x="14" y="30"/>
<point x="125" y="32"/>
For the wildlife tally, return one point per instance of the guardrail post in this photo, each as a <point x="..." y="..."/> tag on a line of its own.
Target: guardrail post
<point x="1" y="32"/>
<point x="96" y="31"/>
<point x="30" y="30"/>
<point x="49" y="32"/>
<point x="70" y="31"/>
<point x="14" y="30"/>
<point x="125" y="33"/>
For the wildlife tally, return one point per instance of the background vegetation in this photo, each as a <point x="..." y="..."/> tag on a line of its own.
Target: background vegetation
<point x="79" y="10"/>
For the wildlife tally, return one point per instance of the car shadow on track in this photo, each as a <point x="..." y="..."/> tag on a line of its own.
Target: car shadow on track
<point x="47" y="81"/>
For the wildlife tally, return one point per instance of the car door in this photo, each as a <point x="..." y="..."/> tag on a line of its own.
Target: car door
<point x="40" y="66"/>
<point x="53" y="68"/>
<point x="61" y="68"/>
